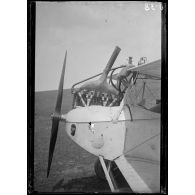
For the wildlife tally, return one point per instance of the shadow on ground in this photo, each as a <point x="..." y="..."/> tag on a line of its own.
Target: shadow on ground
<point x="85" y="184"/>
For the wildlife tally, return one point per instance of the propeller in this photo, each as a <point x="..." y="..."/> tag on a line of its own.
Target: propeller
<point x="56" y="117"/>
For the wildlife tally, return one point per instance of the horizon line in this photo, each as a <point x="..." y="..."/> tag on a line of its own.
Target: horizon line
<point x="50" y="90"/>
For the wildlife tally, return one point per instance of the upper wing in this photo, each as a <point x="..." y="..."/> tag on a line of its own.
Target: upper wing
<point x="151" y="69"/>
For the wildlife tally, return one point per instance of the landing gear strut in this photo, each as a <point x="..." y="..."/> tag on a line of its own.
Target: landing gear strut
<point x="100" y="172"/>
<point x="118" y="181"/>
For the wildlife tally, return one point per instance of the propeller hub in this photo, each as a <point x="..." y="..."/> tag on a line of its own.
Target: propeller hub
<point x="56" y="116"/>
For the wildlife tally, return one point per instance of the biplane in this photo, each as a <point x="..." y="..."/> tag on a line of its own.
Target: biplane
<point x="116" y="116"/>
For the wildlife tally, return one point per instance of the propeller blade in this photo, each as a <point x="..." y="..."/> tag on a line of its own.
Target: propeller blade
<point x="54" y="132"/>
<point x="56" y="117"/>
<point x="60" y="88"/>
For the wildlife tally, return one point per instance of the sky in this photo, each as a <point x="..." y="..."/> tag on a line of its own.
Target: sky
<point x="89" y="31"/>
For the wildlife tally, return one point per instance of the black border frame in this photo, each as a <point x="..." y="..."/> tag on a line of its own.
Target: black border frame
<point x="31" y="27"/>
<point x="164" y="102"/>
<point x="31" y="19"/>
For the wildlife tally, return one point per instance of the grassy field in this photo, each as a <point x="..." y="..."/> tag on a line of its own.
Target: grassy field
<point x="72" y="169"/>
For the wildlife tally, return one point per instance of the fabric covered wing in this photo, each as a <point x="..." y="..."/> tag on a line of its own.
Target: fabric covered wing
<point x="140" y="163"/>
<point x="151" y="69"/>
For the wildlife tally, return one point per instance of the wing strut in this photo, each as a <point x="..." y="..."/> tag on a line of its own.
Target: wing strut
<point x="136" y="183"/>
